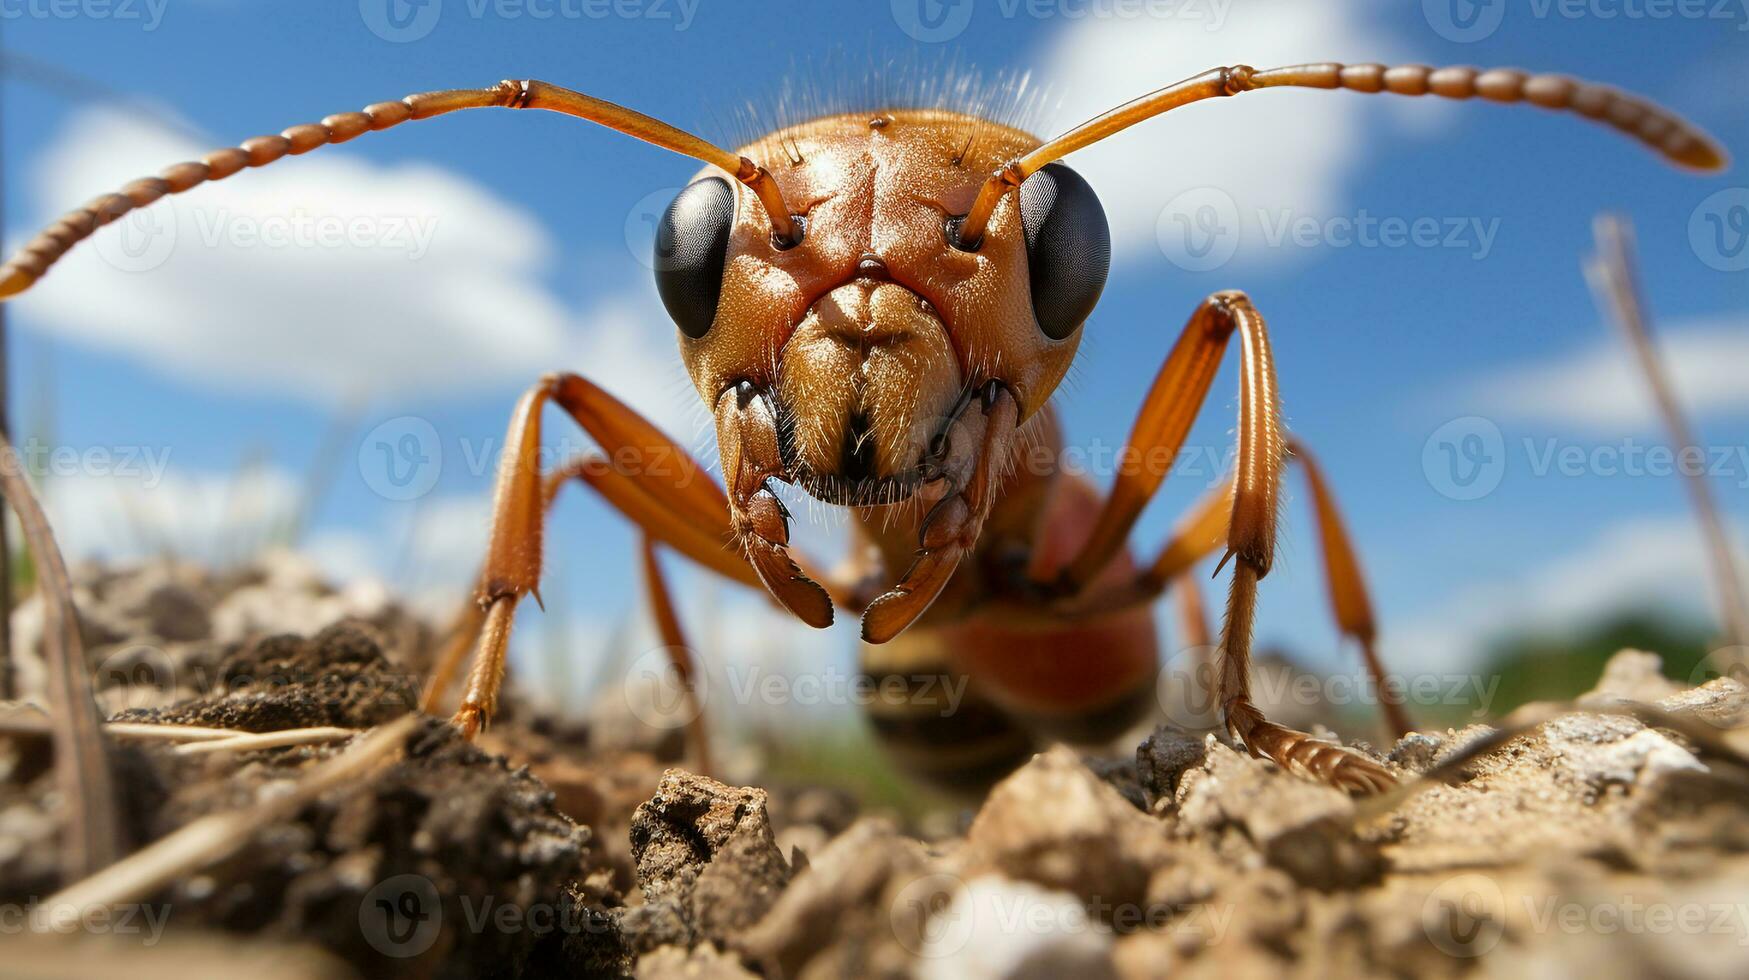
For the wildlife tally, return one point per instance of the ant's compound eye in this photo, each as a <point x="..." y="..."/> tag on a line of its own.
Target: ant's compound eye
<point x="1068" y="247"/>
<point x="692" y="244"/>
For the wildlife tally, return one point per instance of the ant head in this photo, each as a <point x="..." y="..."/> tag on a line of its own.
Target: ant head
<point x="869" y="324"/>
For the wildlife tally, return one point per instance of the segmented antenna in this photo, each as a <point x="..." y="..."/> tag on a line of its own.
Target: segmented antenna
<point x="46" y="249"/>
<point x="1678" y="140"/>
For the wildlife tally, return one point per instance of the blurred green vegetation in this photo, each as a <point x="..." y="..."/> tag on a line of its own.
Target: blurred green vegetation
<point x="1544" y="665"/>
<point x="845" y="756"/>
<point x="1560" y="666"/>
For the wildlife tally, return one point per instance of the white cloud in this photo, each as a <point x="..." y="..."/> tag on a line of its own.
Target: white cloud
<point x="349" y="555"/>
<point x="208" y="517"/>
<point x="1600" y="386"/>
<point x="1267" y="150"/>
<point x="430" y="284"/>
<point x="1648" y="562"/>
<point x="323" y="277"/>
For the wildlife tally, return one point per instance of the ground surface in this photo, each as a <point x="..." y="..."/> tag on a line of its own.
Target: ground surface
<point x="1590" y="846"/>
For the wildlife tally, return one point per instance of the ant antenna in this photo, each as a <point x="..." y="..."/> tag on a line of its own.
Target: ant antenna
<point x="1665" y="132"/>
<point x="34" y="260"/>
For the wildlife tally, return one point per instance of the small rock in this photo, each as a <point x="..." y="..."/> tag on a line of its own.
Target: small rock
<point x="839" y="895"/>
<point x="1162" y="760"/>
<point x="1416" y="751"/>
<point x="1055" y="823"/>
<point x="707" y="849"/>
<point x="1121" y="775"/>
<point x="1301" y="827"/>
<point x="1722" y="702"/>
<point x="1602" y="749"/>
<point x="656" y="925"/>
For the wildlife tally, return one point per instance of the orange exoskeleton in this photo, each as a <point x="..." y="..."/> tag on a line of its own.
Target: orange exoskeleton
<point x="876" y="307"/>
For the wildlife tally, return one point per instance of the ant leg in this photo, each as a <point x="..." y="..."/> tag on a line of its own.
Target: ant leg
<point x="626" y="496"/>
<point x="1161" y="426"/>
<point x="1350" y="605"/>
<point x="1193" y="623"/>
<point x="463" y="633"/>
<point x="680" y="654"/>
<point x="641" y="472"/>
<point x="1251" y="505"/>
<point x="1202" y="531"/>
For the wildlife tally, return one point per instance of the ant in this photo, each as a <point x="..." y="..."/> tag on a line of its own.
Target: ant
<point x="876" y="309"/>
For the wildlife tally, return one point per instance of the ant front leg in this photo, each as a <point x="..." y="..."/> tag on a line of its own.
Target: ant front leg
<point x="645" y="475"/>
<point x="1249" y="506"/>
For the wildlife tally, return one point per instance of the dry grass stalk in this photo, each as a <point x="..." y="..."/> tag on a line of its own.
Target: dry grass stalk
<point x="150" y="732"/>
<point x="92" y="837"/>
<point x="30" y="721"/>
<point x="1615" y="281"/>
<point x="253" y="741"/>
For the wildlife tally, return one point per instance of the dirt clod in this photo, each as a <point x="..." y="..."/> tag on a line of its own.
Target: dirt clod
<point x="1589" y="843"/>
<point x="707" y="862"/>
<point x="1303" y="828"/>
<point x="1162" y="760"/>
<point x="1054" y="822"/>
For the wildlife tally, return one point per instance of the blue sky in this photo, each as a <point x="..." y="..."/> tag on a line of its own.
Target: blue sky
<point x="465" y="256"/>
